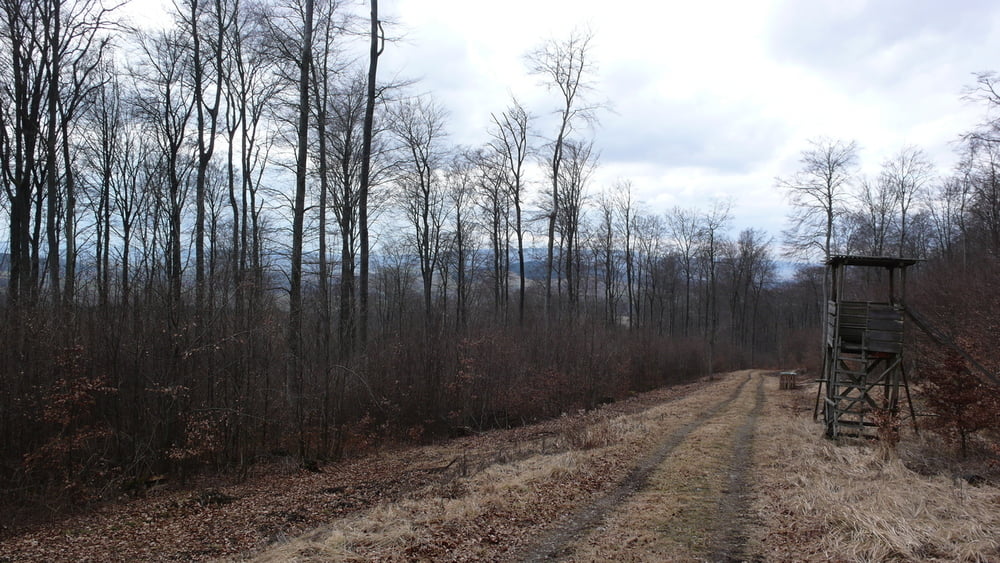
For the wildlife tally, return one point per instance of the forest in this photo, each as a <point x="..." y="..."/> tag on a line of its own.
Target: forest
<point x="230" y="240"/>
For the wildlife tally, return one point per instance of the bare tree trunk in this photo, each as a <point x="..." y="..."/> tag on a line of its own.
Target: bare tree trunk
<point x="207" y="126"/>
<point x="298" y="221"/>
<point x="69" y="226"/>
<point x="52" y="17"/>
<point x="321" y="84"/>
<point x="377" y="45"/>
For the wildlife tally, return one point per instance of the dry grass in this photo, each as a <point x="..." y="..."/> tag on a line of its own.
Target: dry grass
<point x="675" y="518"/>
<point x="821" y="501"/>
<point x="493" y="510"/>
<point x="813" y="500"/>
<point x="412" y="528"/>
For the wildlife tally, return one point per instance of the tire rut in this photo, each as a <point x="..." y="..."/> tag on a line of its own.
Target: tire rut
<point x="733" y="518"/>
<point x="555" y="543"/>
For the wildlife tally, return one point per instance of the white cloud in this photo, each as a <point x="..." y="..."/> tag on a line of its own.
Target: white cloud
<point x="714" y="99"/>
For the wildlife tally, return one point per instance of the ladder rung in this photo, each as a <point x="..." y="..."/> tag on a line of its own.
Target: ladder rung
<point x="851" y="372"/>
<point x="856" y="424"/>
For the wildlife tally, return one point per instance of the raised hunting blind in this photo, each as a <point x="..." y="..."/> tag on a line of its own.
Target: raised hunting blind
<point x="863" y="346"/>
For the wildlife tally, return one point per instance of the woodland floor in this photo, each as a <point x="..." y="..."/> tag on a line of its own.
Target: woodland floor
<point x="730" y="469"/>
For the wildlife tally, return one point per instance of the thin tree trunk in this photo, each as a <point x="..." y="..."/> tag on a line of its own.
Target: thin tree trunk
<point x="51" y="151"/>
<point x="377" y="45"/>
<point x="69" y="293"/>
<point x="298" y="221"/>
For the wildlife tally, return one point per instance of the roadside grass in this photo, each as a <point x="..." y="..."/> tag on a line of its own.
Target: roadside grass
<point x="489" y="512"/>
<point x="820" y="500"/>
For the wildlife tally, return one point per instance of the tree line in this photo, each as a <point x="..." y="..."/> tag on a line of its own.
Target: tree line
<point x="229" y="240"/>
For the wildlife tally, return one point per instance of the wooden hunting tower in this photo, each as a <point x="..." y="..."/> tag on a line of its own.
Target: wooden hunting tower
<point x="863" y="348"/>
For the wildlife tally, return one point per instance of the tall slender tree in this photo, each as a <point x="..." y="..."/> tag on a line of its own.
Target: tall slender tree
<point x="166" y="104"/>
<point x="625" y="210"/>
<point x="712" y="237"/>
<point x="510" y="141"/>
<point x="684" y="230"/>
<point x="818" y="194"/>
<point x="298" y="224"/>
<point x="906" y="176"/>
<point x="564" y="66"/>
<point x="22" y="120"/>
<point x="575" y="173"/>
<point x="418" y="125"/>
<point x="377" y="45"/>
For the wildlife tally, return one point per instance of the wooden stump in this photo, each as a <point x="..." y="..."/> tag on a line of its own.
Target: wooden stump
<point x="788" y="380"/>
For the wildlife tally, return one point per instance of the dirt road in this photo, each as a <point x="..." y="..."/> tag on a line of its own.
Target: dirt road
<point x="661" y="508"/>
<point x="664" y="482"/>
<point x="730" y="469"/>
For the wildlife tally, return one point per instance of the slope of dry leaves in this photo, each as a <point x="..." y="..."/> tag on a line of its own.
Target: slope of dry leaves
<point x="282" y="501"/>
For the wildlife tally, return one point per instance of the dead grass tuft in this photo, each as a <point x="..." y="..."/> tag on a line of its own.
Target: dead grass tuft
<point x="820" y="499"/>
<point x="407" y="529"/>
<point x="601" y="433"/>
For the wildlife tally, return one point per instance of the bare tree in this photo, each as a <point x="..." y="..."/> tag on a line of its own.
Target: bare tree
<point x="377" y="45"/>
<point x="905" y="175"/>
<point x="251" y="89"/>
<point x="948" y="207"/>
<point x="166" y="104"/>
<point x="712" y="238"/>
<point x="134" y="169"/>
<point x="877" y="202"/>
<point x="460" y="178"/>
<point x="347" y="109"/>
<point x="104" y="149"/>
<point x="418" y="125"/>
<point x="510" y="141"/>
<point x="985" y="91"/>
<point x="655" y="272"/>
<point x="76" y="45"/>
<point x="298" y="223"/>
<point x="626" y="210"/>
<point x="683" y="226"/>
<point x="574" y="176"/>
<point x="984" y="208"/>
<point x="495" y="206"/>
<point x="750" y="270"/>
<point x="206" y="27"/>
<point x="564" y="65"/>
<point x="605" y="247"/>
<point x="22" y="115"/>
<point x="818" y="193"/>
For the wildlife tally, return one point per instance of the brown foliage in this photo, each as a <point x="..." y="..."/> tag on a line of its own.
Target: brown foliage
<point x="72" y="461"/>
<point x="962" y="403"/>
<point x="963" y="304"/>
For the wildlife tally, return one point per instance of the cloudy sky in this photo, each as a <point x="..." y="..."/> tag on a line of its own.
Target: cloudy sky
<point x="709" y="98"/>
<point x="714" y="99"/>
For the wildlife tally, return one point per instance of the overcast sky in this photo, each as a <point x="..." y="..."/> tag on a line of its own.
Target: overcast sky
<point x="717" y="98"/>
<point x="714" y="99"/>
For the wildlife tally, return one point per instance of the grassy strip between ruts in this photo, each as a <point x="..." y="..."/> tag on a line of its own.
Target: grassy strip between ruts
<point x="488" y="515"/>
<point x="819" y="500"/>
<point x="676" y="518"/>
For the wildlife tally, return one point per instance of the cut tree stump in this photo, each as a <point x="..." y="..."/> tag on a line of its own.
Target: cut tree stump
<point x="788" y="380"/>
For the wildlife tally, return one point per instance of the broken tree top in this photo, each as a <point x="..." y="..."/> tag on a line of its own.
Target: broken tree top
<point x="874" y="261"/>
